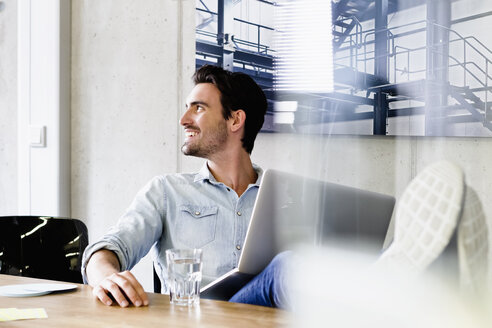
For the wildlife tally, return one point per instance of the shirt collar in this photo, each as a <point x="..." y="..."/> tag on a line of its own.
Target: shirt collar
<point x="205" y="174"/>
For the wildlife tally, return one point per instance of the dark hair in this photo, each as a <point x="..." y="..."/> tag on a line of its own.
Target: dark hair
<point x="237" y="91"/>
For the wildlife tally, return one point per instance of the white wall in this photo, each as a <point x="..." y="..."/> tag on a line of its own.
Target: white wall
<point x="8" y="107"/>
<point x="43" y="107"/>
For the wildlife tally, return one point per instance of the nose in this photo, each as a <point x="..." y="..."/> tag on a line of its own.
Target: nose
<point x="185" y="118"/>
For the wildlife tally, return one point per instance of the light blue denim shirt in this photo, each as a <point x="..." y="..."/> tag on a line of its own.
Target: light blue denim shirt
<point x="182" y="211"/>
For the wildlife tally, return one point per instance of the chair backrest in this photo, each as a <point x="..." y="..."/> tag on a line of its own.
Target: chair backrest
<point x="157" y="281"/>
<point x="42" y="247"/>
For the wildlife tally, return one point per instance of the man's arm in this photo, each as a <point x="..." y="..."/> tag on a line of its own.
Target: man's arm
<point x="103" y="274"/>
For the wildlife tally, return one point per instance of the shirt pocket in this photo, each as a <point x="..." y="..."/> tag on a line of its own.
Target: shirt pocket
<point x="196" y="225"/>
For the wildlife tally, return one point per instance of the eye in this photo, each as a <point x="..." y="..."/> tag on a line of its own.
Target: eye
<point x="199" y="108"/>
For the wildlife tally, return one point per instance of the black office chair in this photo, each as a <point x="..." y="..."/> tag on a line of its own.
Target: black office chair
<point x="157" y="281"/>
<point x="42" y="247"/>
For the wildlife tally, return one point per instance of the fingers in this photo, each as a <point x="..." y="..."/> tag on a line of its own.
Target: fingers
<point x="100" y="293"/>
<point x="136" y="293"/>
<point x="123" y="287"/>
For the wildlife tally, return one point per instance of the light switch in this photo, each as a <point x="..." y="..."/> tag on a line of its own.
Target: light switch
<point x="37" y="136"/>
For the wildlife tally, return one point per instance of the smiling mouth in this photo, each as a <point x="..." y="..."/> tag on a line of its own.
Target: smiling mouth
<point x="190" y="134"/>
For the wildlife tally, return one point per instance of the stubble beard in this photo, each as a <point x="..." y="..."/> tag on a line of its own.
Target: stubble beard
<point x="213" y="142"/>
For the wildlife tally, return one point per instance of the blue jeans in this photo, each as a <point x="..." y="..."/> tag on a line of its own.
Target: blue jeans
<point x="268" y="288"/>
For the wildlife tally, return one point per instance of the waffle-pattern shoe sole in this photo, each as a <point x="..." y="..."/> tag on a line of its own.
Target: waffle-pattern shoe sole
<point x="425" y="218"/>
<point x="473" y="245"/>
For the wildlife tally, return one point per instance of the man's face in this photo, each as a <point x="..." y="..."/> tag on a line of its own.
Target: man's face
<point x="205" y="127"/>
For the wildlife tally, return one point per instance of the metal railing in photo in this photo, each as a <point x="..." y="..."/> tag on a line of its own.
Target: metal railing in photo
<point x="472" y="93"/>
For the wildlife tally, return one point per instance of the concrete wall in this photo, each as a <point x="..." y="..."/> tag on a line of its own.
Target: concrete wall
<point x="381" y="164"/>
<point x="131" y="64"/>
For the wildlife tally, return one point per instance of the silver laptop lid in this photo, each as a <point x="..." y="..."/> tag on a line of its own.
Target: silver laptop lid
<point x="291" y="209"/>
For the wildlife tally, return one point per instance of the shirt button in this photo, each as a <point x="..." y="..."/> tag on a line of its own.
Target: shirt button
<point x="238" y="247"/>
<point x="197" y="213"/>
<point x="238" y="213"/>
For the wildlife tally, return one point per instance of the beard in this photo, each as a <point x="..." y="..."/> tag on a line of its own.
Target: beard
<point x="210" y="143"/>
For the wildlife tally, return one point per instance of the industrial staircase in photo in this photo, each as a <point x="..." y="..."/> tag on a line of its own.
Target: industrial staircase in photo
<point x="466" y="92"/>
<point x="464" y="100"/>
<point x="250" y="56"/>
<point x="456" y="90"/>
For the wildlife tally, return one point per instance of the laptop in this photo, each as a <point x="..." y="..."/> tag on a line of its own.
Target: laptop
<point x="291" y="210"/>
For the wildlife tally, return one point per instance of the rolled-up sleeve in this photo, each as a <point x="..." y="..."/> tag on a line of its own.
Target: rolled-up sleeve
<point x="137" y="230"/>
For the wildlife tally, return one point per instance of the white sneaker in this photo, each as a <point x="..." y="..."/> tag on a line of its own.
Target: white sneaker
<point x="425" y="219"/>
<point x="473" y="245"/>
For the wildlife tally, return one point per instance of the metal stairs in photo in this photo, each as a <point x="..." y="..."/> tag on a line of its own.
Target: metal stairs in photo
<point x="464" y="92"/>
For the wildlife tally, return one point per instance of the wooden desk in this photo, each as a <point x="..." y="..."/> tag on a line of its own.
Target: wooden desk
<point x="80" y="309"/>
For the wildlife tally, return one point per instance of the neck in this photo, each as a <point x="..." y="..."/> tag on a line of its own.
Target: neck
<point x="234" y="171"/>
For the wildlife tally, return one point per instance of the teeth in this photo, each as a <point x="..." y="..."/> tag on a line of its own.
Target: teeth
<point x="190" y="134"/>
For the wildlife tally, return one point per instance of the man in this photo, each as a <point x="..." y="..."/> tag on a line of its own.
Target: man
<point x="210" y="209"/>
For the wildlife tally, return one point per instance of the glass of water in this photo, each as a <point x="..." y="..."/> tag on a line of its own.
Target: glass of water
<point x="184" y="268"/>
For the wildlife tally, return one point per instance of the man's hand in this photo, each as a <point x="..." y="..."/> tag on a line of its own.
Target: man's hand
<point x="123" y="287"/>
<point x="109" y="284"/>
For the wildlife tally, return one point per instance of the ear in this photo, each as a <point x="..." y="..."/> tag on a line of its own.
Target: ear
<point x="237" y="120"/>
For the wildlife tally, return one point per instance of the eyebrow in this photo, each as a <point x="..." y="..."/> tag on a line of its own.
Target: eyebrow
<point x="198" y="102"/>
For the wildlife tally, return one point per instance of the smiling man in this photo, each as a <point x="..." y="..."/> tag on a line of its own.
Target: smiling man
<point x="209" y="209"/>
